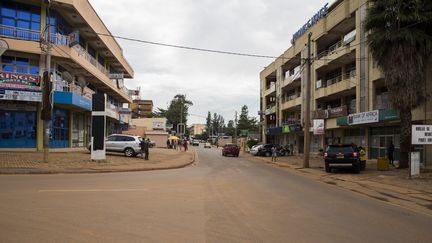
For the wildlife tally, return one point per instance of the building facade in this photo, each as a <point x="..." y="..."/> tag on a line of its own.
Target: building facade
<point x="197" y="129"/>
<point x="81" y="64"/>
<point x="349" y="99"/>
<point x="142" y="109"/>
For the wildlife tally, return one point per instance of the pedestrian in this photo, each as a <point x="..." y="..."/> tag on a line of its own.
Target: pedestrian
<point x="274" y="153"/>
<point x="179" y="144"/>
<point x="185" y="145"/>
<point x="144" y="149"/>
<point x="168" y="144"/>
<point x="390" y="151"/>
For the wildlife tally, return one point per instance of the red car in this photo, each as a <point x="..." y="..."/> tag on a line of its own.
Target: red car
<point x="231" y="149"/>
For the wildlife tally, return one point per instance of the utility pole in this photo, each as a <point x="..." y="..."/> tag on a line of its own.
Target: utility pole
<point x="307" y="112"/>
<point x="46" y="85"/>
<point x="235" y="128"/>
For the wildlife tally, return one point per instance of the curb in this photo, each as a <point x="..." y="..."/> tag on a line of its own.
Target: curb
<point x="90" y="171"/>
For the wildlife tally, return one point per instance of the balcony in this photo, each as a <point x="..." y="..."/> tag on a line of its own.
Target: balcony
<point x="76" y="53"/>
<point x="270" y="89"/>
<point x="337" y="84"/>
<point x="112" y="111"/>
<point x="334" y="52"/>
<point x="31" y="35"/>
<point x="270" y="110"/>
<point x="295" y="101"/>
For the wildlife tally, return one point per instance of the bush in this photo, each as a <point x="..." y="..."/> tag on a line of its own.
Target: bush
<point x="251" y="143"/>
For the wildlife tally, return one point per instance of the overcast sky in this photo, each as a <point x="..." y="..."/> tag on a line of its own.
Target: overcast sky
<point x="213" y="82"/>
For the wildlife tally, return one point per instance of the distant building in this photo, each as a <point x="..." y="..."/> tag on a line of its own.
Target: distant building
<point x="197" y="129"/>
<point x="152" y="128"/>
<point x="142" y="109"/>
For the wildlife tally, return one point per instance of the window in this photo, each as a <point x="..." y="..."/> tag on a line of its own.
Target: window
<point x="19" y="65"/>
<point x="21" y="16"/>
<point x="18" y="129"/>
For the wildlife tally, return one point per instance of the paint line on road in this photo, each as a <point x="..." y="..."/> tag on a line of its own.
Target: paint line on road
<point x="96" y="190"/>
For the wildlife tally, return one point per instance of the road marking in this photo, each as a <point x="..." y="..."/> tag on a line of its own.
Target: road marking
<point x="95" y="190"/>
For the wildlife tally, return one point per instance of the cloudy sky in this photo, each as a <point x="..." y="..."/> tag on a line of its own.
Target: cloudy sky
<point x="214" y="82"/>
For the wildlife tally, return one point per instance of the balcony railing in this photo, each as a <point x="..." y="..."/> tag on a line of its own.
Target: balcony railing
<point x="31" y="35"/>
<point x="61" y="85"/>
<point x="82" y="52"/>
<point x="330" y="50"/>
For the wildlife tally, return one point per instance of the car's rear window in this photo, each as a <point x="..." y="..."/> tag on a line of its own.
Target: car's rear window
<point x="340" y="149"/>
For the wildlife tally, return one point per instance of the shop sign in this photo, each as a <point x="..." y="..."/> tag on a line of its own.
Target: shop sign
<point x="318" y="126"/>
<point x="332" y="112"/>
<point x="421" y="134"/>
<point x="295" y="128"/>
<point x="285" y="129"/>
<point x="363" y="117"/>
<point x="158" y="125"/>
<point x="19" y="81"/>
<point x="74" y="38"/>
<point x="35" y="96"/>
<point x="274" y="131"/>
<point x="312" y="21"/>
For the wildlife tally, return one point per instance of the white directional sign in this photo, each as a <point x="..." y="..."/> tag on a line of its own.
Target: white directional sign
<point x="421" y="134"/>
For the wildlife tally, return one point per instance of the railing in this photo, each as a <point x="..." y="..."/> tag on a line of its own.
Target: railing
<point x="82" y="52"/>
<point x="334" y="80"/>
<point x="350" y="74"/>
<point x="291" y="97"/>
<point x="62" y="85"/>
<point x="330" y="50"/>
<point x="31" y="35"/>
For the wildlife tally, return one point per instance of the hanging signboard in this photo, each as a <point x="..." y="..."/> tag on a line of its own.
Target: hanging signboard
<point x="421" y="134"/>
<point x="318" y="126"/>
<point x="363" y="117"/>
<point x="19" y="81"/>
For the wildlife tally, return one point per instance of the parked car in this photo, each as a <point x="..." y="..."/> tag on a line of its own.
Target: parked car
<point x="231" y="149"/>
<point x="207" y="145"/>
<point x="266" y="150"/>
<point x="121" y="143"/>
<point x="346" y="155"/>
<point x="195" y="143"/>
<point x="254" y="149"/>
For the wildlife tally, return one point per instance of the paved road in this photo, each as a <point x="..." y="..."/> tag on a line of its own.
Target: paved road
<point x="218" y="200"/>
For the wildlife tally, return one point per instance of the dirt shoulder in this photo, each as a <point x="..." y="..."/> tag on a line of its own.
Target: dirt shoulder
<point x="80" y="162"/>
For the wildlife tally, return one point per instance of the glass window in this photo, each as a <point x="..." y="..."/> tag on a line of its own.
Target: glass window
<point x="35" y="26"/>
<point x="23" y="15"/>
<point x="18" y="129"/>
<point x="92" y="52"/>
<point x="101" y="60"/>
<point x="8" y="22"/>
<point x="34" y="70"/>
<point x="7" y="59"/>
<point x="22" y="69"/>
<point x="22" y="61"/>
<point x="8" y="68"/>
<point x="7" y="11"/>
<point x="35" y="17"/>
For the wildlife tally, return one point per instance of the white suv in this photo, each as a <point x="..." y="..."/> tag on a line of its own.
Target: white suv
<point x="127" y="144"/>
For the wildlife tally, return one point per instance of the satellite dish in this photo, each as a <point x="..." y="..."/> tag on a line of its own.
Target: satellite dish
<point x="81" y="81"/>
<point x="3" y="47"/>
<point x="67" y="76"/>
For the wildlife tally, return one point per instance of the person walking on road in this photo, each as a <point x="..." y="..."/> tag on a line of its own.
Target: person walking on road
<point x="185" y="145"/>
<point x="390" y="151"/>
<point x="274" y="153"/>
<point x="145" y="143"/>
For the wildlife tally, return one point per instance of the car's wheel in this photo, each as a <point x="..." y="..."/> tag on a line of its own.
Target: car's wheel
<point x="129" y="152"/>
<point x="327" y="167"/>
<point x="356" y="167"/>
<point x="267" y="154"/>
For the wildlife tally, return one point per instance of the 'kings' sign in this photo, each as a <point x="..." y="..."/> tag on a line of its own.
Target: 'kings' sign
<point x="19" y="81"/>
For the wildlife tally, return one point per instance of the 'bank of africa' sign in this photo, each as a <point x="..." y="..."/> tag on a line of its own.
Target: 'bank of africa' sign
<point x="321" y="13"/>
<point x="19" y="81"/>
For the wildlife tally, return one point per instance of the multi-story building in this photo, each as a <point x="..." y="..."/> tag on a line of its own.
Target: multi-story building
<point x="83" y="56"/>
<point x="142" y="109"/>
<point x="197" y="129"/>
<point x="347" y="88"/>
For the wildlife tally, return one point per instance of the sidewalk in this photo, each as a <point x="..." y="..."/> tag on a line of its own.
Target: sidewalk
<point x="80" y="162"/>
<point x="392" y="186"/>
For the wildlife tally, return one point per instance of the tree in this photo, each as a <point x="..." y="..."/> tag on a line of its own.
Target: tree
<point x="400" y="42"/>
<point x="230" y="129"/>
<point x="245" y="122"/>
<point x="177" y="111"/>
<point x="208" y="123"/>
<point x="160" y="112"/>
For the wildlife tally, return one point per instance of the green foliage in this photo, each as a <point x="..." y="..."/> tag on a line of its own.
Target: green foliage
<point x="177" y="111"/>
<point x="251" y="142"/>
<point x="400" y="41"/>
<point x="245" y="122"/>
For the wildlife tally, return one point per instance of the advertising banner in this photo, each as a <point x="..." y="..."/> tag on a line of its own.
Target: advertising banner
<point x="19" y="81"/>
<point x="318" y="126"/>
<point x="363" y="117"/>
<point x="421" y="134"/>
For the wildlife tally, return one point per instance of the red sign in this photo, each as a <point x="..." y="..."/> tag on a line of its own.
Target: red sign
<point x="19" y="81"/>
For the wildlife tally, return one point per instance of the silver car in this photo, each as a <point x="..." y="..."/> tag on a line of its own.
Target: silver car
<point x="254" y="150"/>
<point x="127" y="144"/>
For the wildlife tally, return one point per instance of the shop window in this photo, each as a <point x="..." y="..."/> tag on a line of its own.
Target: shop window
<point x="19" y="65"/>
<point x="17" y="129"/>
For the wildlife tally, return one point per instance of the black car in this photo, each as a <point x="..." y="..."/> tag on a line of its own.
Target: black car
<point x="343" y="155"/>
<point x="266" y="150"/>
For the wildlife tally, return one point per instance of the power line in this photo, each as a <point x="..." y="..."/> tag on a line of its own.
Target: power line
<point x="187" y="47"/>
